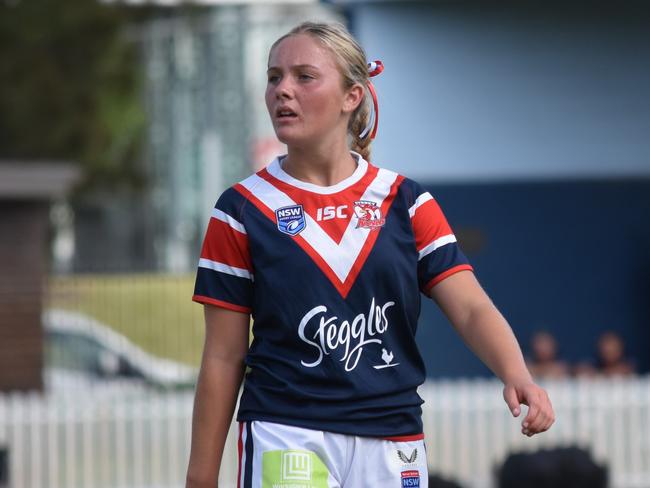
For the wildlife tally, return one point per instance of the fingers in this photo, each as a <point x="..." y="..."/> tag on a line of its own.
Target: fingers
<point x="540" y="415"/>
<point x="529" y="422"/>
<point x="510" y="396"/>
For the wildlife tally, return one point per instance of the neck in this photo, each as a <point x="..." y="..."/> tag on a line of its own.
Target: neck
<point x="323" y="165"/>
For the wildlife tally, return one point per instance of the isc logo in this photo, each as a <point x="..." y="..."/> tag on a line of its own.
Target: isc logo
<point x="332" y="212"/>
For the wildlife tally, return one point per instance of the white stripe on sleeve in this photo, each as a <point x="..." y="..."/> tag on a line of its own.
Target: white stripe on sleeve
<point x="224" y="217"/>
<point x="439" y="242"/>
<point x="224" y="268"/>
<point x="425" y="197"/>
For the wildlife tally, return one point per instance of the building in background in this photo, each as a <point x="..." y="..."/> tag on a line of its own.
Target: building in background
<point x="510" y="91"/>
<point x="27" y="189"/>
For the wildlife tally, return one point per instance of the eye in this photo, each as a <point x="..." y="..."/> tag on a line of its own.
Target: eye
<point x="305" y="77"/>
<point x="273" y="78"/>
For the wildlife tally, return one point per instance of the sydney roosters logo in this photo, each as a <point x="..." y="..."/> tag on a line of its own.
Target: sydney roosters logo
<point x="368" y="214"/>
<point x="327" y="334"/>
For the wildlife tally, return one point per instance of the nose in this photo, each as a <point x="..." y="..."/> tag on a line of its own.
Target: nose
<point x="284" y="89"/>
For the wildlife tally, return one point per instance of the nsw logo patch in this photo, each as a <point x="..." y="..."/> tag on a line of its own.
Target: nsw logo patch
<point x="410" y="478"/>
<point x="291" y="219"/>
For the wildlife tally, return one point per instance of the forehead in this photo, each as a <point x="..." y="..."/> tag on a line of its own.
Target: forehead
<point x="301" y="49"/>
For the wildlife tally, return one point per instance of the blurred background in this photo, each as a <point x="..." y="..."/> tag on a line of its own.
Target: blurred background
<point x="122" y="122"/>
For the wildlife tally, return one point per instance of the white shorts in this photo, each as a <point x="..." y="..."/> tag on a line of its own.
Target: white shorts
<point x="275" y="455"/>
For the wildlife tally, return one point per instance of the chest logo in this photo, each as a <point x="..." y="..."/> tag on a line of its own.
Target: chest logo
<point x="368" y="214"/>
<point x="291" y="219"/>
<point x="327" y="334"/>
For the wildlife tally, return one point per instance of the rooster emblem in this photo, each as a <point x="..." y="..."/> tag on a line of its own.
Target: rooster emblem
<point x="387" y="357"/>
<point x="368" y="214"/>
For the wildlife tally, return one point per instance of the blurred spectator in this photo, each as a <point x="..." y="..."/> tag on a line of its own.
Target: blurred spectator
<point x="563" y="467"/>
<point x="610" y="358"/>
<point x="544" y="362"/>
<point x="436" y="481"/>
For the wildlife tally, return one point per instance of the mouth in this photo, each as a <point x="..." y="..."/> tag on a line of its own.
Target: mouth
<point x="285" y="114"/>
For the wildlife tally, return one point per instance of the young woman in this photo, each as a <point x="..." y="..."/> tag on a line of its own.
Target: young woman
<point x="329" y="254"/>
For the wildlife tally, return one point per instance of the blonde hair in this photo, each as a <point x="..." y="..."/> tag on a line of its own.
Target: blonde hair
<point x="353" y="66"/>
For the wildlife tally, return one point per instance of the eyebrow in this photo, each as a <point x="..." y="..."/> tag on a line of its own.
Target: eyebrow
<point x="297" y="66"/>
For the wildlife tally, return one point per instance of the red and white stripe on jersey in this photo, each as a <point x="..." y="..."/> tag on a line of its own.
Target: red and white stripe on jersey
<point x="429" y="225"/>
<point x="340" y="258"/>
<point x="225" y="249"/>
<point x="313" y="197"/>
<point x="432" y="232"/>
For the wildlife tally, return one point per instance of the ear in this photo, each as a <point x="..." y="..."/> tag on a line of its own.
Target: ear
<point x="353" y="98"/>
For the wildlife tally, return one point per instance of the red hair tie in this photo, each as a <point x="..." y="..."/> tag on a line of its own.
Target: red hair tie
<point x="374" y="68"/>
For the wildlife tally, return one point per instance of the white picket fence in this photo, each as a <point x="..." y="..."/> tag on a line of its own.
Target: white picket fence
<point x="138" y="439"/>
<point x="469" y="430"/>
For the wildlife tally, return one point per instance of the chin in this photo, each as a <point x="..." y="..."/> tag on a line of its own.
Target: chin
<point x="289" y="138"/>
<point x="282" y="137"/>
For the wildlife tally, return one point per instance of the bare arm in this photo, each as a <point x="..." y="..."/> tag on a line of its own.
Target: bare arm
<point x="489" y="336"/>
<point x="220" y="376"/>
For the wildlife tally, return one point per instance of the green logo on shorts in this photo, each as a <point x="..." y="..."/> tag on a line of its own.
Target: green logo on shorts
<point x="293" y="469"/>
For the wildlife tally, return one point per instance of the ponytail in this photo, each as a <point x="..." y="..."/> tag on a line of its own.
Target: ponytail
<point x="358" y="122"/>
<point x="362" y="127"/>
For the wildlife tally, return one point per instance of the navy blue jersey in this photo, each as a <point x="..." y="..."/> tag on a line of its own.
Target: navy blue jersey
<point x="332" y="277"/>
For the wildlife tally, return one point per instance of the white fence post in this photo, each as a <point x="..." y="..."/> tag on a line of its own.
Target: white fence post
<point x="138" y="439"/>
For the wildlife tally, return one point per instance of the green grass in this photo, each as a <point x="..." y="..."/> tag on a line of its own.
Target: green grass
<point x="154" y="311"/>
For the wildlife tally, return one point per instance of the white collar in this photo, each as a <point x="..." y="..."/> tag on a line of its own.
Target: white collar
<point x="275" y="169"/>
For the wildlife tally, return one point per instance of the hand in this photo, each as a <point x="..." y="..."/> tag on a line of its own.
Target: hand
<point x="540" y="415"/>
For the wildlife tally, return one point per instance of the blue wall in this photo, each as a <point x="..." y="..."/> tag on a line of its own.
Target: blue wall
<point x="477" y="91"/>
<point x="573" y="258"/>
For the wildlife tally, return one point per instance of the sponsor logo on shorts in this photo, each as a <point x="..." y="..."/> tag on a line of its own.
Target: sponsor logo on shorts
<point x="368" y="214"/>
<point x="293" y="469"/>
<point x="296" y="466"/>
<point x="408" y="459"/>
<point x="410" y="478"/>
<point x="291" y="219"/>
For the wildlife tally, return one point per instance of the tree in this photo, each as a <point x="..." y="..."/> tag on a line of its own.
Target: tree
<point x="70" y="87"/>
